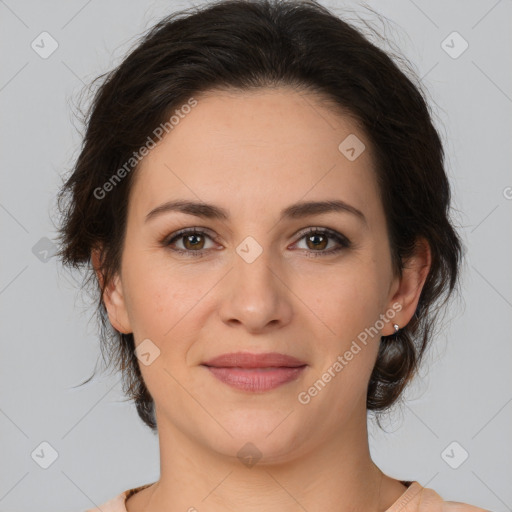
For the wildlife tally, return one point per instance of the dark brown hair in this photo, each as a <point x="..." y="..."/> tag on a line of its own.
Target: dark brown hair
<point x="256" y="44"/>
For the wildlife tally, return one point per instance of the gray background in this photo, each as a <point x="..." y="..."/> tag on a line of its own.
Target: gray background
<point x="49" y="343"/>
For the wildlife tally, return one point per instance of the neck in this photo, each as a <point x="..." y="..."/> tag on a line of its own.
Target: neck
<point x="336" y="475"/>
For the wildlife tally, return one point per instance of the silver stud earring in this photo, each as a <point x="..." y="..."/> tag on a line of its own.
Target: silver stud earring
<point x="396" y="327"/>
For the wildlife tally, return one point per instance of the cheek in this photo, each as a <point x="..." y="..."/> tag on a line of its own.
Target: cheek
<point x="348" y="302"/>
<point x="347" y="297"/>
<point x="158" y="297"/>
<point x="163" y="308"/>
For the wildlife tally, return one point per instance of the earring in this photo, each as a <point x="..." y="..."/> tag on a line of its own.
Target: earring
<point x="396" y="327"/>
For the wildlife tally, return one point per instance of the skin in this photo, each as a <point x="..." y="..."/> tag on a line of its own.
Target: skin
<point x="255" y="153"/>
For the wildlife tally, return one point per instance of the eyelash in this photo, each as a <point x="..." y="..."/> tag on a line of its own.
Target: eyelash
<point x="344" y="242"/>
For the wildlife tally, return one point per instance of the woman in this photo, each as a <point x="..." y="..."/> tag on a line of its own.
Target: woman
<point x="262" y="201"/>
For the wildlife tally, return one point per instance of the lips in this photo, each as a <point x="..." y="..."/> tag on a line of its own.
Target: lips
<point x="248" y="360"/>
<point x="255" y="372"/>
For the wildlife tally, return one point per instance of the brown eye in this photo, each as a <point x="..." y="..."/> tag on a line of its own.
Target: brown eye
<point x="318" y="239"/>
<point x="190" y="242"/>
<point x="193" y="241"/>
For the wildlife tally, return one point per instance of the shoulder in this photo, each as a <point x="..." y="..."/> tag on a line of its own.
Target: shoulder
<point x="430" y="501"/>
<point x="422" y="499"/>
<point x="455" y="506"/>
<point x="116" y="504"/>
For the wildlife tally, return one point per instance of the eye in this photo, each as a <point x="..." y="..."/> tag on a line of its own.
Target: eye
<point x="192" y="239"/>
<point x="317" y="239"/>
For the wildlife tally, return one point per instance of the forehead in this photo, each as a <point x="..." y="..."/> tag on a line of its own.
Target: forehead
<point x="260" y="146"/>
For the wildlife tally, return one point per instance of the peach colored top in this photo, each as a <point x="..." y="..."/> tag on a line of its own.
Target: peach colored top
<point x="415" y="499"/>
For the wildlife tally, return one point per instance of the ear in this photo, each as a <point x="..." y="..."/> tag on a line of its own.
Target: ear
<point x="407" y="288"/>
<point x="112" y="297"/>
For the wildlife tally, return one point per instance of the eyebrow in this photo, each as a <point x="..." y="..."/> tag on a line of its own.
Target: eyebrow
<point x="294" y="211"/>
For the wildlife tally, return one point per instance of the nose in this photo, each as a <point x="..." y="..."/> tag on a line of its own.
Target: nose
<point x="256" y="295"/>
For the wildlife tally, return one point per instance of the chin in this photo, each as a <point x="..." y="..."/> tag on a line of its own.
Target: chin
<point x="260" y="437"/>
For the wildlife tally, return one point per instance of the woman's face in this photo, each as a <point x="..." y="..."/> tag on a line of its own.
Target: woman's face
<point x="257" y="280"/>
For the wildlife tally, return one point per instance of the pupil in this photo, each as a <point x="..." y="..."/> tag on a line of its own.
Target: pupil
<point x="313" y="237"/>
<point x="190" y="239"/>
